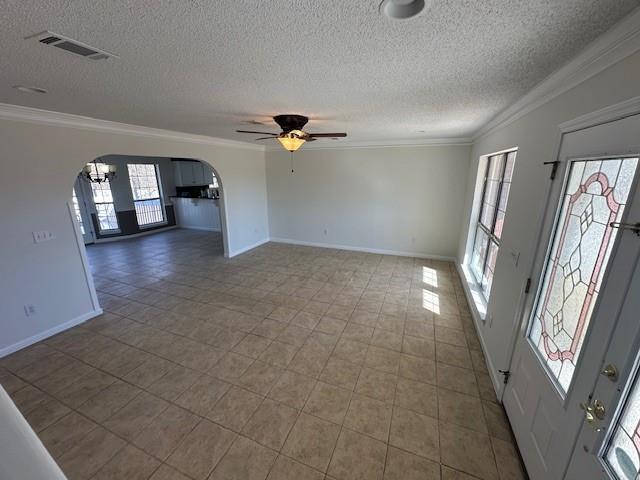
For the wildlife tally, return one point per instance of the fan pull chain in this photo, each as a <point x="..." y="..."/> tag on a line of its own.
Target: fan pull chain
<point x="291" y="162"/>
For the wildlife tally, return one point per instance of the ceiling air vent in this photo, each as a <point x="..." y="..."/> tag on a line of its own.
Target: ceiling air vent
<point x="70" y="45"/>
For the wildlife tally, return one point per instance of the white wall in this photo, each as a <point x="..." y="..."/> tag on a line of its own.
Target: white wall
<point x="537" y="136"/>
<point x="393" y="199"/>
<point x="39" y="163"/>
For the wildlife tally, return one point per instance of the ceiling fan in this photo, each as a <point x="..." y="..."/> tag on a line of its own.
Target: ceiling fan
<point x="292" y="136"/>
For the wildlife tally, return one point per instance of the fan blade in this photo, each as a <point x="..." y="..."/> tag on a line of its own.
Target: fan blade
<point x="319" y="135"/>
<point x="259" y="133"/>
<point x="265" y="138"/>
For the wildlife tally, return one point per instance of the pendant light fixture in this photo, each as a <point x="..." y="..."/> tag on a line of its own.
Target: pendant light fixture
<point x="292" y="140"/>
<point x="96" y="172"/>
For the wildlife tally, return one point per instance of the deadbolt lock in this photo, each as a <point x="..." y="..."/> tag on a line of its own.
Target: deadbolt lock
<point x="611" y="372"/>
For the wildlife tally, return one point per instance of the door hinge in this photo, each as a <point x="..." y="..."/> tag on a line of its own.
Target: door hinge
<point x="506" y="374"/>
<point x="554" y="169"/>
<point x="527" y="285"/>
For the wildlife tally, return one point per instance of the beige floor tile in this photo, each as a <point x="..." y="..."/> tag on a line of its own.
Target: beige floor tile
<point x="332" y="326"/>
<point x="85" y="388"/>
<point x="419" y="347"/>
<point x="451" y="336"/>
<point x="508" y="460"/>
<point x="328" y="402"/>
<point x="279" y="354"/>
<point x="149" y="372"/>
<point x="376" y="384"/>
<point x="311" y="441"/>
<point x="357" y="333"/>
<point x="174" y="383"/>
<point x="269" y="328"/>
<point x="259" y="377"/>
<point x="294" y="335"/>
<point x="385" y="339"/>
<point x="340" y="373"/>
<point x="310" y="360"/>
<point x="415" y="433"/>
<point x="382" y="359"/>
<point x="457" y="379"/>
<point x="357" y="457"/>
<point x="245" y="460"/>
<point x="270" y="424"/>
<point x="129" y="421"/>
<point x="201" y="450"/>
<point x="451" y="474"/>
<point x="235" y="408"/>
<point x="497" y="421"/>
<point x="283" y="314"/>
<point x="306" y="320"/>
<point x="478" y="361"/>
<point x="369" y="416"/>
<point x="418" y="368"/>
<point x="231" y="367"/>
<point x="477" y="456"/>
<point x="453" y="355"/>
<point x="105" y="403"/>
<point x="46" y="414"/>
<point x="65" y="433"/>
<point x="417" y="396"/>
<point x="88" y="456"/>
<point x="165" y="472"/>
<point x="351" y="350"/>
<point x="460" y="409"/>
<point x="202" y="396"/>
<point x="165" y="432"/>
<point x="130" y="463"/>
<point x="485" y="386"/>
<point x="292" y="389"/>
<point x="285" y="468"/>
<point x="403" y="465"/>
<point x="252" y="346"/>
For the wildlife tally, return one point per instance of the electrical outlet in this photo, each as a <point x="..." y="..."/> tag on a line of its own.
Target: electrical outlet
<point x="29" y="310"/>
<point x="43" y="236"/>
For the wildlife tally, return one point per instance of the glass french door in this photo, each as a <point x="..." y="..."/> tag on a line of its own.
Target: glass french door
<point x="580" y="284"/>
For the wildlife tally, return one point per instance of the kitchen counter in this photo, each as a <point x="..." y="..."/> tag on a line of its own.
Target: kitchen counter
<point x="197" y="213"/>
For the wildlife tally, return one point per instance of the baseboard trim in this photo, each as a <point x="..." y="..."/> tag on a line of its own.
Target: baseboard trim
<point x="478" y="320"/>
<point x="250" y="247"/>
<point x="49" y="333"/>
<point x="362" y="249"/>
<point x="204" y="229"/>
<point x="134" y="235"/>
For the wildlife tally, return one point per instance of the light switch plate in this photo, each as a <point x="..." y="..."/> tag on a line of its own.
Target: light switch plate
<point x="43" y="236"/>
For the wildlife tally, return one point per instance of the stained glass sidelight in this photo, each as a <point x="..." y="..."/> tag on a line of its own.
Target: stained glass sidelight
<point x="595" y="195"/>
<point x="623" y="452"/>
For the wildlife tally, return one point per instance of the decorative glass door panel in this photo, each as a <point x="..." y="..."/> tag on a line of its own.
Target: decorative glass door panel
<point x="595" y="194"/>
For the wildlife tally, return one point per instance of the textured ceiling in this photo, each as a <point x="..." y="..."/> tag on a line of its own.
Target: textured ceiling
<point x="207" y="66"/>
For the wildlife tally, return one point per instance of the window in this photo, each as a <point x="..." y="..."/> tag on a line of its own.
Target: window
<point x="214" y="183"/>
<point x="103" y="200"/>
<point x="595" y="195"/>
<point x="497" y="173"/>
<point x="146" y="193"/>
<point x="76" y="211"/>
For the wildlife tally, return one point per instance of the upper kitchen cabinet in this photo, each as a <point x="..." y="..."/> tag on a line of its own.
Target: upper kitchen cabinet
<point x="189" y="173"/>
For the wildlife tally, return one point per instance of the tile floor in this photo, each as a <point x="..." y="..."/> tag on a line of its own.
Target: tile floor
<point x="284" y="363"/>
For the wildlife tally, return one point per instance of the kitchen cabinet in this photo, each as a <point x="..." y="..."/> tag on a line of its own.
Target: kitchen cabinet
<point x="197" y="213"/>
<point x="191" y="173"/>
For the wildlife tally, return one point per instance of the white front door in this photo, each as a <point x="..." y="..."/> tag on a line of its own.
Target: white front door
<point x="579" y="287"/>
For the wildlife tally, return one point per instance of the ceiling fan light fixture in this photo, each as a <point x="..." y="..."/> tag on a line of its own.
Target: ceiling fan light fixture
<point x="292" y="141"/>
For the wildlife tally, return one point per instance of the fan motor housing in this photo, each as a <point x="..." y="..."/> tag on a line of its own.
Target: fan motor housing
<point x="290" y="122"/>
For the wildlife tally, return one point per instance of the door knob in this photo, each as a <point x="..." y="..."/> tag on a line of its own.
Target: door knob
<point x="593" y="412"/>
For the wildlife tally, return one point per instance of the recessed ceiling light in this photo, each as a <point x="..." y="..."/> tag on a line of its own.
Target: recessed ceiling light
<point x="26" y="89"/>
<point x="401" y="9"/>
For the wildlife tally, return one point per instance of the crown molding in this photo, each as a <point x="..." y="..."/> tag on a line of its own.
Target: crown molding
<point x="346" y="145"/>
<point x="622" y="40"/>
<point x="48" y="117"/>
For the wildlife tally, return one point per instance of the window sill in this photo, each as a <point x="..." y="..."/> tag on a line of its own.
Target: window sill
<point x="474" y="293"/>
<point x="113" y="231"/>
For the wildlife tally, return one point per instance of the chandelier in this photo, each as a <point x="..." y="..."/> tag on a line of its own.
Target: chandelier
<point x="96" y="172"/>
